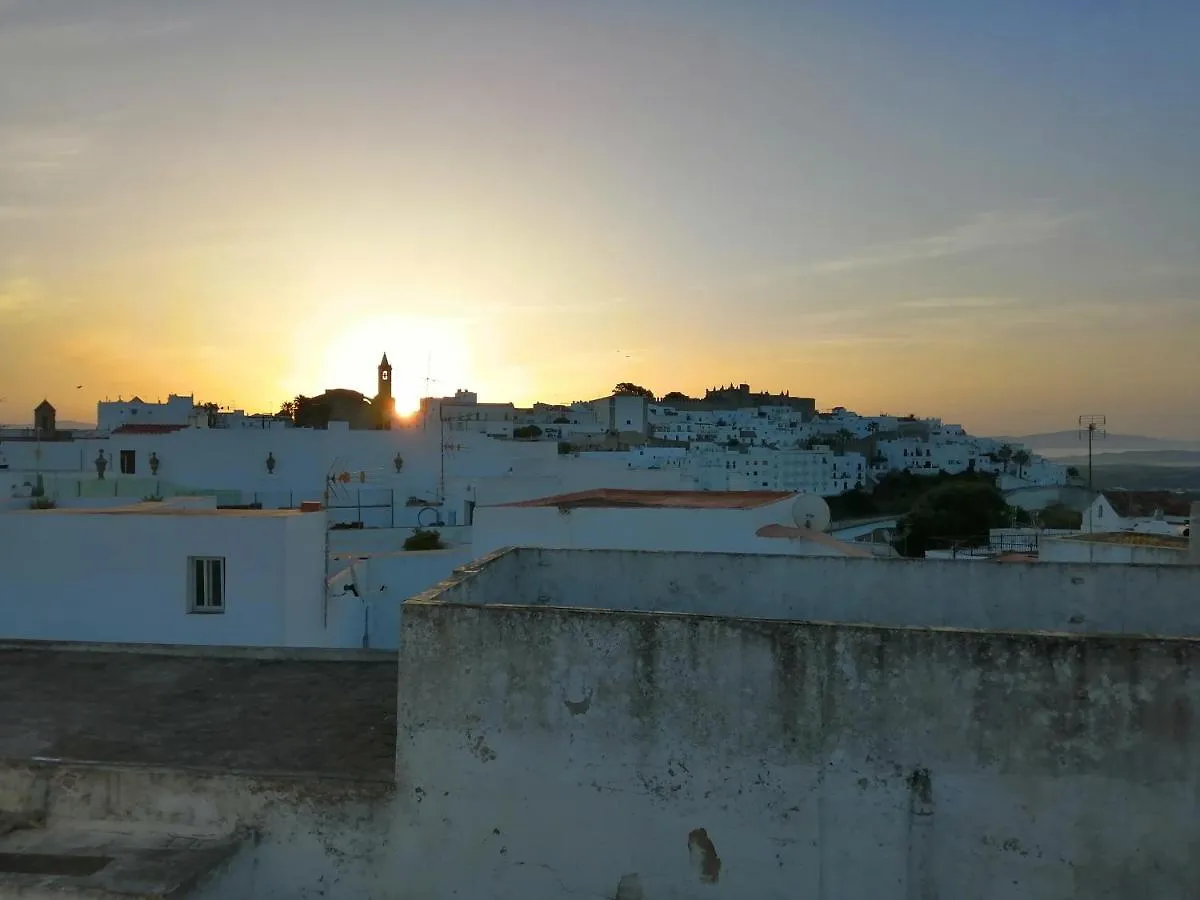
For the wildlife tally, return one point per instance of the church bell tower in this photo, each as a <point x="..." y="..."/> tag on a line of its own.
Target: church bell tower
<point x="385" y="403"/>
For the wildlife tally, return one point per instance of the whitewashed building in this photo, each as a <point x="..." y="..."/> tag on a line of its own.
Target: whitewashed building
<point x="694" y="521"/>
<point x="168" y="573"/>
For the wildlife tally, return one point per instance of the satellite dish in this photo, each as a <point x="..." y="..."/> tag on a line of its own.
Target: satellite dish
<point x="810" y="511"/>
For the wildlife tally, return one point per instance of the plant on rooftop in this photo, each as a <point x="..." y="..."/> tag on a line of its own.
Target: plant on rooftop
<point x="424" y="539"/>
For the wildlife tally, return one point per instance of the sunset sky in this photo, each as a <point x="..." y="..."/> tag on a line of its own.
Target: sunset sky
<point x="984" y="211"/>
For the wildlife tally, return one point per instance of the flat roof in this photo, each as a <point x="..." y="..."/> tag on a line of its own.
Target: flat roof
<point x="229" y="713"/>
<point x="611" y="498"/>
<point x="163" y="509"/>
<point x="1136" y="538"/>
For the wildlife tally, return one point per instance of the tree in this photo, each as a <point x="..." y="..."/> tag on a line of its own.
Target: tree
<point x="309" y="412"/>
<point x="676" y="397"/>
<point x="955" y="513"/>
<point x="210" y="410"/>
<point x="629" y="389"/>
<point x="562" y="420"/>
<point x="1058" y="515"/>
<point x="1004" y="454"/>
<point x="1072" y="472"/>
<point x="842" y="437"/>
<point x="528" y="432"/>
<point x="1021" y="459"/>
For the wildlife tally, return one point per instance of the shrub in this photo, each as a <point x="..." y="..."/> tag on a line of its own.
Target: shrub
<point x="42" y="503"/>
<point x="423" y="539"/>
<point x="152" y="498"/>
<point x="564" y="448"/>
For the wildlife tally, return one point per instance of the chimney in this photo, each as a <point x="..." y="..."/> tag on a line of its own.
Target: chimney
<point x="1193" y="541"/>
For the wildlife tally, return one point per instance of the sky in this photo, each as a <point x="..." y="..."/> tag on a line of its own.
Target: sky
<point x="988" y="212"/>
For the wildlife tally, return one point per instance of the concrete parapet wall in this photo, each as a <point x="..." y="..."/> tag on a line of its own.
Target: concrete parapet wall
<point x="1096" y="598"/>
<point x="551" y="752"/>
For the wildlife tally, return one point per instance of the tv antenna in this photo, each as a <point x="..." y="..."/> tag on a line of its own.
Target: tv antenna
<point x="1094" y="428"/>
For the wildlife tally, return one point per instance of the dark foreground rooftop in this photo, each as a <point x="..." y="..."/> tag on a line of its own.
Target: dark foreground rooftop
<point x="281" y="716"/>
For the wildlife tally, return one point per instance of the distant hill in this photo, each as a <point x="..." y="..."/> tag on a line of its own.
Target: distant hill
<point x="1138" y="458"/>
<point x="1057" y="444"/>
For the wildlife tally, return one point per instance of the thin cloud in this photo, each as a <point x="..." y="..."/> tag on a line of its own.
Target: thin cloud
<point x="18" y="294"/>
<point x="43" y="151"/>
<point x="945" y="304"/>
<point x="988" y="231"/>
<point x="44" y="37"/>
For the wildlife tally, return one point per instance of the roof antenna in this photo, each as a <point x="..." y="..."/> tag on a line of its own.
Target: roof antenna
<point x="1094" y="427"/>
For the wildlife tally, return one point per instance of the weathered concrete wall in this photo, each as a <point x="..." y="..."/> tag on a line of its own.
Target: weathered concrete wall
<point x="306" y="838"/>
<point x="948" y="594"/>
<point x="549" y="752"/>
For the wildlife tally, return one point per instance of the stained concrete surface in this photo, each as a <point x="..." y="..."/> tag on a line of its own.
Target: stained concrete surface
<point x="109" y="860"/>
<point x="225" y="714"/>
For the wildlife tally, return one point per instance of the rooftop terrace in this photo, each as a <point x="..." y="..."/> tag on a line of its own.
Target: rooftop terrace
<point x="632" y="499"/>
<point x="304" y="713"/>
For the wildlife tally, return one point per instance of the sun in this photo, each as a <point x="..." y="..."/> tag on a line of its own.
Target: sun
<point x="418" y="348"/>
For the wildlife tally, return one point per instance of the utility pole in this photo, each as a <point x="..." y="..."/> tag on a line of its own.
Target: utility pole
<point x="1094" y="427"/>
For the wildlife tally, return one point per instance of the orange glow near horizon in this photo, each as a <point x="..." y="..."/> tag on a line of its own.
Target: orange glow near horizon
<point x="417" y="348"/>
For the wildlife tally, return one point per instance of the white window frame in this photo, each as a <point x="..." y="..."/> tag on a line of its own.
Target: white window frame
<point x="209" y="605"/>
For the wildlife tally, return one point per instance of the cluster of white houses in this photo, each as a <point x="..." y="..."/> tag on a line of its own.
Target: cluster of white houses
<point x="211" y="511"/>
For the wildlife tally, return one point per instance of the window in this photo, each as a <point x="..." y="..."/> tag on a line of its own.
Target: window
<point x="128" y="462"/>
<point x="206" y="584"/>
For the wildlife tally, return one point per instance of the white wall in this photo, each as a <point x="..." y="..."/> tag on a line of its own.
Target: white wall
<point x="599" y="528"/>
<point x="1073" y="550"/>
<point x="1036" y="596"/>
<point x="386" y="581"/>
<point x="123" y="577"/>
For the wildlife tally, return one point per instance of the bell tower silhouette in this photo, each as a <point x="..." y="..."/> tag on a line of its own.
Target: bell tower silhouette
<point x="385" y="403"/>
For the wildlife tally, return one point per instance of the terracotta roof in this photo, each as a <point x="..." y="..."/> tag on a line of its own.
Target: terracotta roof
<point x="147" y="429"/>
<point x="1143" y="504"/>
<point x="1135" y="538"/>
<point x="614" y="498"/>
<point x="791" y="532"/>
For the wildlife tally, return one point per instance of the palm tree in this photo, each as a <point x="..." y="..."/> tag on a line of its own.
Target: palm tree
<point x="1004" y="454"/>
<point x="1021" y="459"/>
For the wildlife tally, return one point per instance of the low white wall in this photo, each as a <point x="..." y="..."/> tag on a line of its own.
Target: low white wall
<point x="124" y="577"/>
<point x="1036" y="596"/>
<point x="387" y="581"/>
<point x="665" y="529"/>
<point x="1080" y="551"/>
<point x="387" y="540"/>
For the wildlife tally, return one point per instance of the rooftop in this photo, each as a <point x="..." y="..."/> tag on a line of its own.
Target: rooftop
<point x="153" y="508"/>
<point x="304" y="713"/>
<point x="1135" y="538"/>
<point x="1143" y="504"/>
<point x="147" y="428"/>
<point x="613" y="498"/>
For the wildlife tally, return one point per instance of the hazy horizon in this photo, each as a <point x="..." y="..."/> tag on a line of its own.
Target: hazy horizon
<point x="984" y="212"/>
